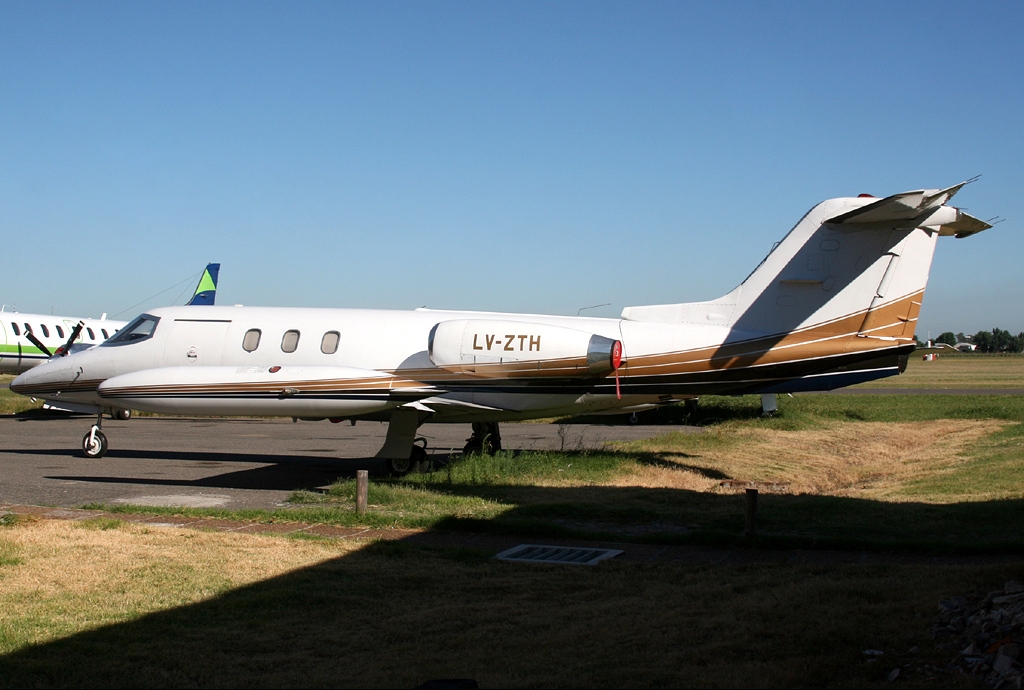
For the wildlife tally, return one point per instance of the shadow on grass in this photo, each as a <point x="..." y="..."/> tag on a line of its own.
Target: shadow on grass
<point x="396" y="614"/>
<point x="662" y="460"/>
<point x="680" y="517"/>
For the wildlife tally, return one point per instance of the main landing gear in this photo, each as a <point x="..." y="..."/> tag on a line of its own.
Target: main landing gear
<point x="418" y="460"/>
<point x="403" y="452"/>
<point x="486" y="439"/>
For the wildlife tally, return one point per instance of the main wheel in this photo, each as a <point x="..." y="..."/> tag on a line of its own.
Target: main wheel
<point x="94" y="444"/>
<point x="492" y="444"/>
<point x="419" y="458"/>
<point x="398" y="467"/>
<point x="122" y="414"/>
<point x="486" y="439"/>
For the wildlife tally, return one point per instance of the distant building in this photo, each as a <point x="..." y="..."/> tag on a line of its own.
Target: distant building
<point x="966" y="347"/>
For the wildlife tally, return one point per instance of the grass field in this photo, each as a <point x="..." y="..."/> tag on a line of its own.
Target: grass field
<point x="957" y="370"/>
<point x="12" y="403"/>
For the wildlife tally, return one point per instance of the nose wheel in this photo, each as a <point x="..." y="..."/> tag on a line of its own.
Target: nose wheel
<point x="94" y="443"/>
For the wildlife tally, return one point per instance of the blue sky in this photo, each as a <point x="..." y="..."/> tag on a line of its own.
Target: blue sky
<point x="535" y="157"/>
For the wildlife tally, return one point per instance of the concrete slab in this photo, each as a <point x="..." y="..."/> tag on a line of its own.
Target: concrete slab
<point x="177" y="501"/>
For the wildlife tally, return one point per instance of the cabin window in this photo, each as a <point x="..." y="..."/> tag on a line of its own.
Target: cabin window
<point x="60" y="331"/>
<point x="14" y="326"/>
<point x="92" y="336"/>
<point x="46" y="331"/>
<point x="251" y="340"/>
<point x="28" y="329"/>
<point x="104" y="332"/>
<point x="329" y="345"/>
<point x="139" y="329"/>
<point x="290" y="341"/>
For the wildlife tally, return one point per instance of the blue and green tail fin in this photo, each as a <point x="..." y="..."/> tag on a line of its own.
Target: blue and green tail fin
<point x="206" y="291"/>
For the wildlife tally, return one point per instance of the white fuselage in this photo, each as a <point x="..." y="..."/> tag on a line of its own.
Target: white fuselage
<point x="395" y="342"/>
<point x="185" y="350"/>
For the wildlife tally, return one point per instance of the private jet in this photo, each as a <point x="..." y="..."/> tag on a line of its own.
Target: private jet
<point x="834" y="303"/>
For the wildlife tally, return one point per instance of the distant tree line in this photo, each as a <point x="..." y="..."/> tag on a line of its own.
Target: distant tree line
<point x="996" y="340"/>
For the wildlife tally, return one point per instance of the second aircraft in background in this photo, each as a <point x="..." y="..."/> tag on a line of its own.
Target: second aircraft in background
<point x="30" y="339"/>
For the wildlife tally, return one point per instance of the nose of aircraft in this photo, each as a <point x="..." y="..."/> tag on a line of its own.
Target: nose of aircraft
<point x="45" y="379"/>
<point x="67" y="378"/>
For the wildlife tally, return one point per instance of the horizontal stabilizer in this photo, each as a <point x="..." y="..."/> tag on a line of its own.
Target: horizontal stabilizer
<point x="964" y="226"/>
<point x="901" y="210"/>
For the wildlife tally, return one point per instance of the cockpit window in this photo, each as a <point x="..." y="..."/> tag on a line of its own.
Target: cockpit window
<point x="139" y="329"/>
<point x="17" y="331"/>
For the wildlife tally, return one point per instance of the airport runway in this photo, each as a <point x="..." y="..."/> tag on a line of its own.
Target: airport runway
<point x="230" y="463"/>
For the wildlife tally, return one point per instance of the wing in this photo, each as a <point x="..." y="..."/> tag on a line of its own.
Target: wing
<point x="299" y="391"/>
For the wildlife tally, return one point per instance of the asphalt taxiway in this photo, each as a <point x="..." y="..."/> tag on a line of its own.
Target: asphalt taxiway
<point x="229" y="463"/>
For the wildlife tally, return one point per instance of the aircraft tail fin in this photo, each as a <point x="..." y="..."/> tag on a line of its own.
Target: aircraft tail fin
<point x="851" y="266"/>
<point x="206" y="291"/>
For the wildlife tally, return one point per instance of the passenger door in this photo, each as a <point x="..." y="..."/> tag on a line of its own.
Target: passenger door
<point x="195" y="342"/>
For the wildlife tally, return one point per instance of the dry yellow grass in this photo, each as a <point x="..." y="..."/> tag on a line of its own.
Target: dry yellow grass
<point x="863" y="459"/>
<point x="75" y="576"/>
<point x="958" y="371"/>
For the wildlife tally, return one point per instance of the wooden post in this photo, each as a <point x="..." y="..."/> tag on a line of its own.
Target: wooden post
<point x="750" y="529"/>
<point x="362" y="490"/>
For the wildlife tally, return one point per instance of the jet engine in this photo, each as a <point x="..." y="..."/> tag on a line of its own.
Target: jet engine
<point x="521" y="349"/>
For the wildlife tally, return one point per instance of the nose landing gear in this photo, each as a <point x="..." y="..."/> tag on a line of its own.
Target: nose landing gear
<point x="94" y="443"/>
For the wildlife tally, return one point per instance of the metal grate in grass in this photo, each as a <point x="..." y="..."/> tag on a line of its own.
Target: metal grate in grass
<point x="536" y="553"/>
